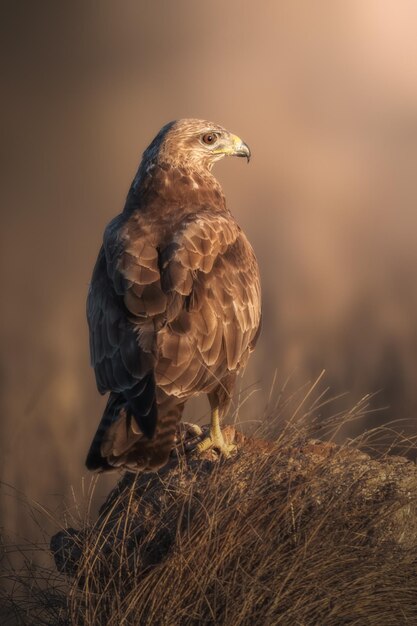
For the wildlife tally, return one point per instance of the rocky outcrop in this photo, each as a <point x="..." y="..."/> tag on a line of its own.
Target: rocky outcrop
<point x="297" y="531"/>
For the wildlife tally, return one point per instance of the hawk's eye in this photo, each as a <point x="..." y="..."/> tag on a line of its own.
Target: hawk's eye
<point x="209" y="138"/>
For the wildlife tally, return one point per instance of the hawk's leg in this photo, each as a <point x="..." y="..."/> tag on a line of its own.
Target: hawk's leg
<point x="215" y="439"/>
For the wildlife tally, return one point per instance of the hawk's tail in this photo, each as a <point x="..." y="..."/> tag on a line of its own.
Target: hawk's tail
<point x="119" y="442"/>
<point x="95" y="461"/>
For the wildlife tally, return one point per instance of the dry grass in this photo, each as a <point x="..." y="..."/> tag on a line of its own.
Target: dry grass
<point x="234" y="553"/>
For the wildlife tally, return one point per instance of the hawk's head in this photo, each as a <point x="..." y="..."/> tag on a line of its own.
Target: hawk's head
<point x="194" y="143"/>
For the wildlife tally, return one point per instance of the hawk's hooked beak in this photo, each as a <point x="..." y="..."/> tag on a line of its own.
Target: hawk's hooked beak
<point x="234" y="146"/>
<point x="240" y="148"/>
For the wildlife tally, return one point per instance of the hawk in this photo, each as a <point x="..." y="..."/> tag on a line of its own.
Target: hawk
<point x="174" y="302"/>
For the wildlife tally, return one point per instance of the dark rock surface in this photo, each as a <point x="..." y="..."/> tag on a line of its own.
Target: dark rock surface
<point x="310" y="482"/>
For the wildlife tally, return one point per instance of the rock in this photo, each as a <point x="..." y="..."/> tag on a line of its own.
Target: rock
<point x="280" y="519"/>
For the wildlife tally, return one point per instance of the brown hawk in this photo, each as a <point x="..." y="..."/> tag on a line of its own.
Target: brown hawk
<point x="174" y="302"/>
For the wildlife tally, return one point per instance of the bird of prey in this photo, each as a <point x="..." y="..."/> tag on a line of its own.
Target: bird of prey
<point x="174" y="302"/>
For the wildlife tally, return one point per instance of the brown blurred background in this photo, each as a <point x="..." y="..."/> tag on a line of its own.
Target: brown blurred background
<point x="324" y="92"/>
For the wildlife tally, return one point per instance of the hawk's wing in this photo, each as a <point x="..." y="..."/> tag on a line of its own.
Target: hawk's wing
<point x="210" y="275"/>
<point x="188" y="311"/>
<point x="123" y="304"/>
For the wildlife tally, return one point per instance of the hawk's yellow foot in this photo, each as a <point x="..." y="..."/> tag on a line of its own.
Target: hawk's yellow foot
<point x="215" y="439"/>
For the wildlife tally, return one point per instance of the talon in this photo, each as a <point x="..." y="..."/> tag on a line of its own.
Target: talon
<point x="224" y="448"/>
<point x="215" y="438"/>
<point x="188" y="428"/>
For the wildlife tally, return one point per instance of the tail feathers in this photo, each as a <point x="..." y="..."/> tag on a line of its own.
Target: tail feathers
<point x="123" y="447"/>
<point x="118" y="442"/>
<point x="95" y="461"/>
<point x="141" y="406"/>
<point x="126" y="419"/>
<point x="146" y="422"/>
